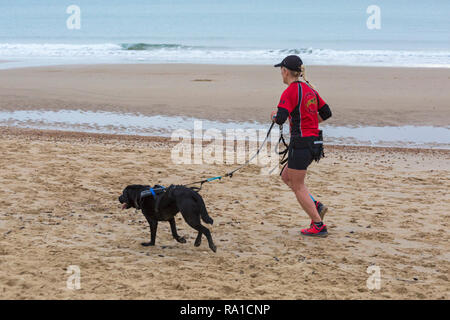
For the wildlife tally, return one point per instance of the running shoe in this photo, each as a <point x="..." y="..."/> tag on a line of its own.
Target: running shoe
<point x="315" y="231"/>
<point x="321" y="209"/>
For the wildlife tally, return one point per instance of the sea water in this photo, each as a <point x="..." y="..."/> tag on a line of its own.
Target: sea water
<point x="323" y="32"/>
<point x="407" y="33"/>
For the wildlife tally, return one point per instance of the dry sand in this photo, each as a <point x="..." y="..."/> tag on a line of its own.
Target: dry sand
<point x="388" y="208"/>
<point x="357" y="95"/>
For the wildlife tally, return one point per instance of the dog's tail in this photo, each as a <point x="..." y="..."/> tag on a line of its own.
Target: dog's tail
<point x="203" y="212"/>
<point x="205" y="217"/>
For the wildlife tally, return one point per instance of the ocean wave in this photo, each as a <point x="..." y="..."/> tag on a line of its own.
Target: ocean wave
<point x="151" y="46"/>
<point x="178" y="53"/>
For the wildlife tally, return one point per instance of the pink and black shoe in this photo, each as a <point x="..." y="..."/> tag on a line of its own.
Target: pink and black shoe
<point x="315" y="231"/>
<point x="321" y="209"/>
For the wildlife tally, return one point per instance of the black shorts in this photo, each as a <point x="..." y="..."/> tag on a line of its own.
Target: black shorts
<point x="299" y="159"/>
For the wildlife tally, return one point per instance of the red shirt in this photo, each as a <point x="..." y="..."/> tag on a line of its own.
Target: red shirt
<point x="303" y="119"/>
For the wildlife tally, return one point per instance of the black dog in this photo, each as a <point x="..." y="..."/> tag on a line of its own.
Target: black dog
<point x="165" y="205"/>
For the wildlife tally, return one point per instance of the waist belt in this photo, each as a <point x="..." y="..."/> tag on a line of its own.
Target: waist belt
<point x="297" y="142"/>
<point x="306" y="142"/>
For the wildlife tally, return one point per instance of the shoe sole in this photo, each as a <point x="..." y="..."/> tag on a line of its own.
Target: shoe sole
<point x="322" y="213"/>
<point x="317" y="235"/>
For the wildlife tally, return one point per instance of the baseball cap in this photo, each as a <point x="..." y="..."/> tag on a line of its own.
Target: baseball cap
<point x="292" y="62"/>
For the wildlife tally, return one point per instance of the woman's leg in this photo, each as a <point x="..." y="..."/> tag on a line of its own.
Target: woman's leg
<point x="285" y="177"/>
<point x="295" y="179"/>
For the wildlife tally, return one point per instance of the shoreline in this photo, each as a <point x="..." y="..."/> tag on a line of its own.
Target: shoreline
<point x="119" y="123"/>
<point x="47" y="54"/>
<point x="231" y="64"/>
<point x="59" y="135"/>
<point x="77" y="64"/>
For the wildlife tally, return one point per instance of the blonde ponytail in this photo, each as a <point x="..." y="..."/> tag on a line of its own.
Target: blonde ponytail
<point x="303" y="74"/>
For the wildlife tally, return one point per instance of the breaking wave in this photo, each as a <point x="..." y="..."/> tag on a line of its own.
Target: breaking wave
<point x="178" y="53"/>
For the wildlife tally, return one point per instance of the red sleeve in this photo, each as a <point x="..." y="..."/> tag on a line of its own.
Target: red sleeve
<point x="286" y="101"/>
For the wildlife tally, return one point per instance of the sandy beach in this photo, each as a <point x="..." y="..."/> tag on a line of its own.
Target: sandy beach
<point x="357" y="95"/>
<point x="388" y="208"/>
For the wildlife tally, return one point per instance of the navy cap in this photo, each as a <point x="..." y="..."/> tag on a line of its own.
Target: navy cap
<point x="292" y="62"/>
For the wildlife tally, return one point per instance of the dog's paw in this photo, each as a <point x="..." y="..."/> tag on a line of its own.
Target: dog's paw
<point x="147" y="244"/>
<point x="181" y="240"/>
<point x="197" y="243"/>
<point x="213" y="248"/>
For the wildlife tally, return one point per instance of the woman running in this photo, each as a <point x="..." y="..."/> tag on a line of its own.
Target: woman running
<point x="301" y="103"/>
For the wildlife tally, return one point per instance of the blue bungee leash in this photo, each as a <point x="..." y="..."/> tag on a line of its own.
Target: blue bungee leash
<point x="230" y="174"/>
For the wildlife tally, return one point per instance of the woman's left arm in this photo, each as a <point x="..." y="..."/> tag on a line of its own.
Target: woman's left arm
<point x="279" y="116"/>
<point x="284" y="108"/>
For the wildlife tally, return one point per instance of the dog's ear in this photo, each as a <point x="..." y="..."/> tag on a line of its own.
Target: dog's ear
<point x="123" y="199"/>
<point x="136" y="200"/>
<point x="126" y="193"/>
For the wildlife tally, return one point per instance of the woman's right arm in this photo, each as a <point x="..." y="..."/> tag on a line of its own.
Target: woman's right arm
<point x="320" y="118"/>
<point x="324" y="113"/>
<point x="323" y="109"/>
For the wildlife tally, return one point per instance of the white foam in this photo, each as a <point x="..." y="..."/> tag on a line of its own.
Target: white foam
<point x="158" y="125"/>
<point x="44" y="54"/>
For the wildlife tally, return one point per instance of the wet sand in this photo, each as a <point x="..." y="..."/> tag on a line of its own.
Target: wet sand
<point x="357" y="95"/>
<point x="388" y="207"/>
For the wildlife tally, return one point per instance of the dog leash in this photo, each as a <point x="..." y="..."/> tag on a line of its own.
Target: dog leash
<point x="283" y="153"/>
<point x="282" y="162"/>
<point x="230" y="174"/>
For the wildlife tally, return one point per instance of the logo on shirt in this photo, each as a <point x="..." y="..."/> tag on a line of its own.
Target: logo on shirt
<point x="311" y="103"/>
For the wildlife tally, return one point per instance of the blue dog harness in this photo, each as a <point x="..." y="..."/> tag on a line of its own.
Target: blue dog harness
<point x="157" y="192"/>
<point x="151" y="191"/>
